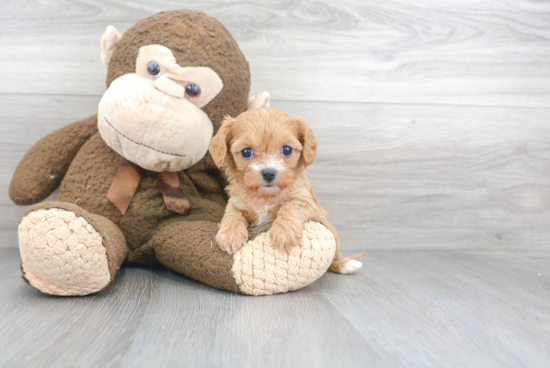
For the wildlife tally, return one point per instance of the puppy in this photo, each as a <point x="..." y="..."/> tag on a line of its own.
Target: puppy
<point x="266" y="153"/>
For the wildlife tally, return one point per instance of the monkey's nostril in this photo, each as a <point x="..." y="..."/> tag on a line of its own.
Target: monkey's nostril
<point x="269" y="175"/>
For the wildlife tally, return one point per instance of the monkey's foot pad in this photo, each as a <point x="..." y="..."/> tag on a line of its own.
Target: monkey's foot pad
<point x="62" y="254"/>
<point x="259" y="269"/>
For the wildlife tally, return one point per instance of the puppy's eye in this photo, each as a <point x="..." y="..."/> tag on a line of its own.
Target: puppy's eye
<point x="287" y="151"/>
<point x="153" y="68"/>
<point x="192" y="90"/>
<point x="247" y="152"/>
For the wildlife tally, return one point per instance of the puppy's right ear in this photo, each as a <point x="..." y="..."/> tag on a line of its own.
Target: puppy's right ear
<point x="308" y="140"/>
<point x="220" y="143"/>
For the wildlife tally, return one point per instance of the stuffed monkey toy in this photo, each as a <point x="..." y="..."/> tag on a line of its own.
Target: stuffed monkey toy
<point x="137" y="184"/>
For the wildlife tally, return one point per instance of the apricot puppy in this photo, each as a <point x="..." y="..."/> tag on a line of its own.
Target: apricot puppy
<point x="266" y="153"/>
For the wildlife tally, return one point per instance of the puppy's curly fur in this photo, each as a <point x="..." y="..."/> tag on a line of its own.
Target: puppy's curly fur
<point x="266" y="153"/>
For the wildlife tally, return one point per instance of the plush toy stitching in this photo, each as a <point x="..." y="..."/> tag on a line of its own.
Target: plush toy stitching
<point x="259" y="270"/>
<point x="73" y="241"/>
<point x="141" y="144"/>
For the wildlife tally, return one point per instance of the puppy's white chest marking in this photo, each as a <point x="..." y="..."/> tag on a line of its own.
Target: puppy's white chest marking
<point x="264" y="215"/>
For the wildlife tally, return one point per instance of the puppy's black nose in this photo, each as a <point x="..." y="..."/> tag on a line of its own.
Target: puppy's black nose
<point x="269" y="175"/>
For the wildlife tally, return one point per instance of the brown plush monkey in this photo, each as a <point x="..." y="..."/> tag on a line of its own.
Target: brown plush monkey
<point x="137" y="183"/>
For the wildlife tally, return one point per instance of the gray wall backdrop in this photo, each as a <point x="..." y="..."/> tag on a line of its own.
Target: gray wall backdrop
<point x="433" y="119"/>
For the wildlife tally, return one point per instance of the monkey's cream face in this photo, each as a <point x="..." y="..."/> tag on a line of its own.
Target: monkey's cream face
<point x="153" y="117"/>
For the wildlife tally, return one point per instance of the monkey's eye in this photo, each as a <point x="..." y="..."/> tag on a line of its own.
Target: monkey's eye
<point x="153" y="68"/>
<point x="192" y="90"/>
<point x="247" y="152"/>
<point x="287" y="151"/>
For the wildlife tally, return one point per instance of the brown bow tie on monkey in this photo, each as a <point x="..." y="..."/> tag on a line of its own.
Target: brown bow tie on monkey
<point x="127" y="179"/>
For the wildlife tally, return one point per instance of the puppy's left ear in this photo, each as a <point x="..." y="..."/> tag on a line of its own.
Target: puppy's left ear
<point x="308" y="140"/>
<point x="220" y="143"/>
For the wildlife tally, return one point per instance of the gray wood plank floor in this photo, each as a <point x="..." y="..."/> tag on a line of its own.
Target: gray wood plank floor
<point x="412" y="308"/>
<point x="433" y="122"/>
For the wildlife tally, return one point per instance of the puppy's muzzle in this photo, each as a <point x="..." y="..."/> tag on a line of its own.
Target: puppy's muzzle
<point x="269" y="175"/>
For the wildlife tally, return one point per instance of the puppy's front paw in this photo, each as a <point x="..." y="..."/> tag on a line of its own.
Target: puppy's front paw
<point x="231" y="239"/>
<point x="285" y="234"/>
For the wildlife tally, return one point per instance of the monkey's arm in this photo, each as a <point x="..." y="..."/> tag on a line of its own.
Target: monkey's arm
<point x="45" y="164"/>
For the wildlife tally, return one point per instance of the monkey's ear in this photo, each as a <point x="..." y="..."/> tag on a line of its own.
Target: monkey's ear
<point x="109" y="41"/>
<point x="261" y="100"/>
<point x="220" y="143"/>
<point x="308" y="140"/>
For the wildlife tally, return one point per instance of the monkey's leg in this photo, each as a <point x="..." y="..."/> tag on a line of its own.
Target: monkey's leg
<point x="66" y="250"/>
<point x="188" y="247"/>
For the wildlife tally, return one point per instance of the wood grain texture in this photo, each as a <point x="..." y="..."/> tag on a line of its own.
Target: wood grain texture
<point x="432" y="119"/>
<point x="453" y="52"/>
<point x="391" y="176"/>
<point x="405" y="308"/>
